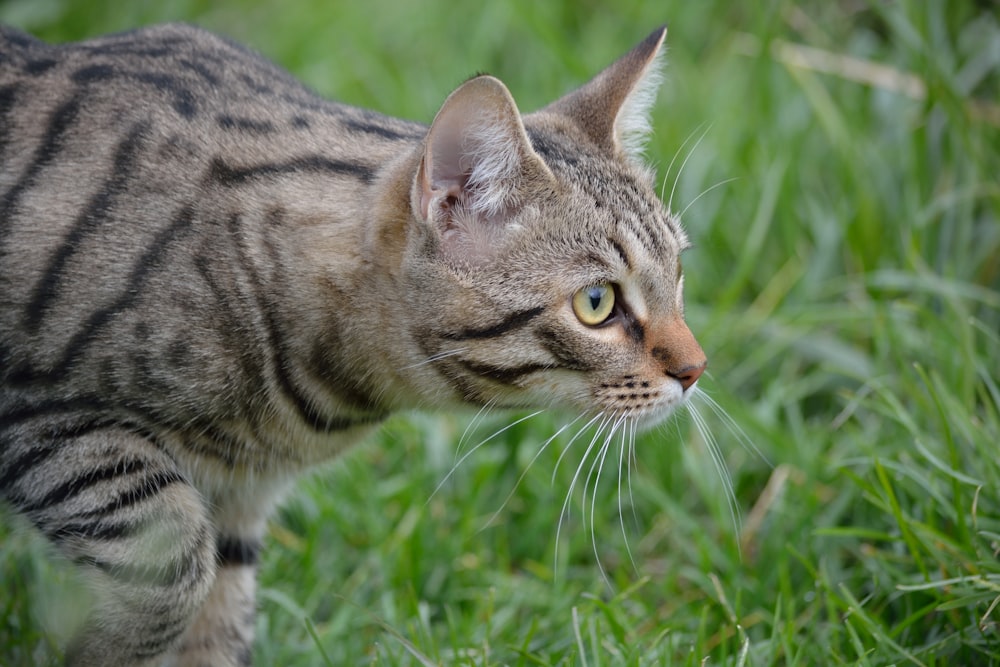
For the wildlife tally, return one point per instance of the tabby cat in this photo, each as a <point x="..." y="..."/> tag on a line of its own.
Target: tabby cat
<point x="211" y="279"/>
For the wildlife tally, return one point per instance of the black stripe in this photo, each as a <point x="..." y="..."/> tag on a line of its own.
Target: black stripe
<point x="227" y="122"/>
<point x="23" y="464"/>
<point x="558" y="346"/>
<point x="95" y="214"/>
<point x="513" y="321"/>
<point x="102" y="531"/>
<point x="621" y="253"/>
<point x="39" y="66"/>
<point x="82" y="482"/>
<point x="163" y="574"/>
<point x="150" y="260"/>
<point x="279" y="351"/>
<point x="378" y="130"/>
<point x="201" y="70"/>
<point x="237" y="552"/>
<point x="93" y="73"/>
<point x="227" y="298"/>
<point x="163" y="635"/>
<point x="184" y="100"/>
<point x="501" y="374"/>
<point x="8" y="98"/>
<point x="222" y="173"/>
<point x="60" y="123"/>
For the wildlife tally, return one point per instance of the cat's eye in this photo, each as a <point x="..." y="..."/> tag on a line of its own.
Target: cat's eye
<point x="593" y="305"/>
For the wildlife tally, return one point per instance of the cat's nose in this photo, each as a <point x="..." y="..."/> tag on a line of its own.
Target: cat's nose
<point x="689" y="375"/>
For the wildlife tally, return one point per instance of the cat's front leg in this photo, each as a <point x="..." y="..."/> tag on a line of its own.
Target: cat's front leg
<point x="222" y="633"/>
<point x="116" y="505"/>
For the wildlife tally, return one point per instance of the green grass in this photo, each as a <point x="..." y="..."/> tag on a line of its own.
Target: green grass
<point x="846" y="287"/>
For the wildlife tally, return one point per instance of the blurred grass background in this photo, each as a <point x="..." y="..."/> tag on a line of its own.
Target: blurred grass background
<point x="845" y="285"/>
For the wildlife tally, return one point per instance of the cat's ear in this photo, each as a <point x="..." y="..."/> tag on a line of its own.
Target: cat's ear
<point x="477" y="167"/>
<point x="613" y="109"/>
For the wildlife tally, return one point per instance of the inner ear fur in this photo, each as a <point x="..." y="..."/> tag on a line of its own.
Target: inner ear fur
<point x="613" y="109"/>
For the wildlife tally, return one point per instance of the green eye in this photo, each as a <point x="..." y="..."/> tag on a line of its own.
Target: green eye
<point x="593" y="305"/>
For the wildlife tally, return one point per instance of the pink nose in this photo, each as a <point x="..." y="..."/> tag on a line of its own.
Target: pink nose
<point x="688" y="376"/>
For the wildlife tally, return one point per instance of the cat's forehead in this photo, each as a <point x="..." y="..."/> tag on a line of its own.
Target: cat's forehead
<point x="610" y="198"/>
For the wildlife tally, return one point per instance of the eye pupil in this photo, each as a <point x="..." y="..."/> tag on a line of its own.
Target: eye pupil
<point x="596" y="296"/>
<point x="594" y="304"/>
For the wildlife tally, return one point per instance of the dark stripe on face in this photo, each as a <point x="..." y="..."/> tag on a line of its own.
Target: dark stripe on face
<point x="513" y="322"/>
<point x="60" y="123"/>
<point x="559" y="347"/>
<point x="95" y="214"/>
<point x="621" y="253"/>
<point x="501" y="374"/>
<point x="237" y="552"/>
<point x="229" y="176"/>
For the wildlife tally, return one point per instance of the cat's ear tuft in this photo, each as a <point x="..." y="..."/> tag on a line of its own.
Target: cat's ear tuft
<point x="613" y="109"/>
<point x="476" y="167"/>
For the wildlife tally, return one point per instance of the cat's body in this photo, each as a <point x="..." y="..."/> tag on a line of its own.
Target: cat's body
<point x="211" y="279"/>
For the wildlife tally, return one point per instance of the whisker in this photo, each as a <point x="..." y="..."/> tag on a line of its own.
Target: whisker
<point x="582" y="430"/>
<point x="624" y="460"/>
<point x="564" y="512"/>
<point x="720" y="465"/>
<point x="481" y="414"/>
<point x="598" y="465"/>
<point x="731" y="424"/>
<point x="670" y="166"/>
<point x="680" y="216"/>
<point x="474" y="449"/>
<point x="677" y="179"/>
<point x="525" y="472"/>
<point x="435" y="357"/>
<point x="633" y="462"/>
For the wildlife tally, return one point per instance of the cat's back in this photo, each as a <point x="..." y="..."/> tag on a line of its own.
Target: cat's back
<point x="198" y="96"/>
<point x="138" y="175"/>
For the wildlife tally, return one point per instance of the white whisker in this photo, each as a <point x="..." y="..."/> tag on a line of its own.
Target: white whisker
<point x="670" y="166"/>
<point x="473" y="450"/>
<point x="435" y="357"/>
<point x="731" y="424"/>
<point x="596" y="468"/>
<point x="680" y="216"/>
<point x="564" y="512"/>
<point x="481" y="414"/>
<point x="624" y="460"/>
<point x="525" y="472"/>
<point x="677" y="179"/>
<point x="720" y="465"/>
<point x="582" y="430"/>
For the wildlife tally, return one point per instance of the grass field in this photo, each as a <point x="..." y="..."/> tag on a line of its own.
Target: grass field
<point x="845" y="283"/>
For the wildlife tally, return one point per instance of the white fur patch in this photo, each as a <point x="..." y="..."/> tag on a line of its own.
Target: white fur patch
<point x="632" y="124"/>
<point x="493" y="153"/>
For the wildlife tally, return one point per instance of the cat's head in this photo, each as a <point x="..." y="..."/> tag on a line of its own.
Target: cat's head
<point x="545" y="269"/>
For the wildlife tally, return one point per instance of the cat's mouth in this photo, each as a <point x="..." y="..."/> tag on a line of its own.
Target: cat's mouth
<point x="648" y="403"/>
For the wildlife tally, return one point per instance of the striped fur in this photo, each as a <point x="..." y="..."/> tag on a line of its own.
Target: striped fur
<point x="211" y="279"/>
